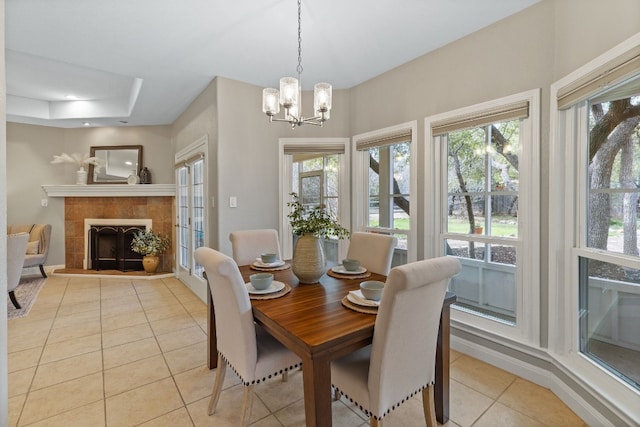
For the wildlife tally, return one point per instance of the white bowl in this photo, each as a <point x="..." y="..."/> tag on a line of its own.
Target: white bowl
<point x="372" y="289"/>
<point x="261" y="281"/>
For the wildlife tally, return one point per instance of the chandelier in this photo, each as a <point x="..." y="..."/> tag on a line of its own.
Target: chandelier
<point x="290" y="96"/>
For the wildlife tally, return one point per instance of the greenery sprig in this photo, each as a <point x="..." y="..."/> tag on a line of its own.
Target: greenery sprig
<point x="316" y="221"/>
<point x="148" y="242"/>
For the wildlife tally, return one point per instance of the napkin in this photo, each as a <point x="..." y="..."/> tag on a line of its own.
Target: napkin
<point x="358" y="298"/>
<point x="276" y="263"/>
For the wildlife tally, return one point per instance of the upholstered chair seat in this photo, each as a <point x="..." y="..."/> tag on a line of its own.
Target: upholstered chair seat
<point x="374" y="251"/>
<point x="247" y="245"/>
<point x="252" y="353"/>
<point x="400" y="362"/>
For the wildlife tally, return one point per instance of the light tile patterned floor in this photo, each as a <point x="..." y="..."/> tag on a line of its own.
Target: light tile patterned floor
<point x="124" y="352"/>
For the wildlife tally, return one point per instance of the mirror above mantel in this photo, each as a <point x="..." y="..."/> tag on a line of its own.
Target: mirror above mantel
<point x="118" y="164"/>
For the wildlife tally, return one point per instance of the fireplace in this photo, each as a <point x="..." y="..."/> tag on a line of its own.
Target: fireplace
<point x="108" y="243"/>
<point x="110" y="248"/>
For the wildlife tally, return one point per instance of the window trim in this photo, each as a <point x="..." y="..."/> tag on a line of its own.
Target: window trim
<point x="360" y="181"/>
<point x="285" y="164"/>
<point x="527" y="327"/>
<point x="567" y="130"/>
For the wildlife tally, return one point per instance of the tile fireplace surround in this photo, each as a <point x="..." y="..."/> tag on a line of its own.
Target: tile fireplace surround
<point x="160" y="209"/>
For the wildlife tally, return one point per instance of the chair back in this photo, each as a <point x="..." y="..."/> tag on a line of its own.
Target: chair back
<point x="406" y="331"/>
<point x="235" y="329"/>
<point x="16" y="248"/>
<point x="373" y="250"/>
<point x="247" y="245"/>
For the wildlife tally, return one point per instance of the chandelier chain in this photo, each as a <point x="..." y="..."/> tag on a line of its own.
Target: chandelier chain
<point x="299" y="68"/>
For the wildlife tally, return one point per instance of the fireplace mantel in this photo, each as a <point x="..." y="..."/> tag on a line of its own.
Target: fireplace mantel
<point x="110" y="190"/>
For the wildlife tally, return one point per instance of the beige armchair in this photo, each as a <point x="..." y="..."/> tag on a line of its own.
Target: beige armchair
<point x="38" y="244"/>
<point x="16" y="248"/>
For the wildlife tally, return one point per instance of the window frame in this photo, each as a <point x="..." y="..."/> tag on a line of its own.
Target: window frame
<point x="360" y="183"/>
<point x="567" y="238"/>
<point x="285" y="164"/>
<point x="527" y="326"/>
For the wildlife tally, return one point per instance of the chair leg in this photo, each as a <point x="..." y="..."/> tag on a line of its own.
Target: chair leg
<point x="285" y="376"/>
<point x="374" y="423"/>
<point x="429" y="406"/>
<point x="217" y="386"/>
<point x="247" y="403"/>
<point x="42" y="271"/>
<point x="12" y="297"/>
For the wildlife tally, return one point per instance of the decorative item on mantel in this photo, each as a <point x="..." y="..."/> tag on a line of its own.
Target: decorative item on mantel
<point x="149" y="244"/>
<point x="80" y="160"/>
<point x="308" y="262"/>
<point x="145" y="176"/>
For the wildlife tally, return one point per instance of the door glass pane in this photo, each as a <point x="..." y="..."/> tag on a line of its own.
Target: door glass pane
<point x="311" y="191"/>
<point x="183" y="218"/>
<point x="198" y="210"/>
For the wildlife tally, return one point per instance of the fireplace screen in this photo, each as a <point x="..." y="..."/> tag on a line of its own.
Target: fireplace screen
<point x="111" y="247"/>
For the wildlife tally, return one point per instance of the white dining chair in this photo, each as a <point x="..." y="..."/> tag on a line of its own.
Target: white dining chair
<point x="400" y="362"/>
<point x="247" y="348"/>
<point x="373" y="250"/>
<point x="247" y="245"/>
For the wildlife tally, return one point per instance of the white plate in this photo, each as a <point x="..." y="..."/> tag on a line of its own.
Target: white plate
<point x="357" y="298"/>
<point x="261" y="264"/>
<point x="274" y="287"/>
<point x="341" y="270"/>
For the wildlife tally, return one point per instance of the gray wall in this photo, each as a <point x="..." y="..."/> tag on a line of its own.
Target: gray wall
<point x="30" y="150"/>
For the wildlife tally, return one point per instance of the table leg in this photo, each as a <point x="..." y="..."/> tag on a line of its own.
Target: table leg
<point x="442" y="367"/>
<point x="212" y="340"/>
<point x="316" y="375"/>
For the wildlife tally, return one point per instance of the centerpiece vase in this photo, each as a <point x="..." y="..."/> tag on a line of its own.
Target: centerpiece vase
<point x="150" y="263"/>
<point x="308" y="262"/>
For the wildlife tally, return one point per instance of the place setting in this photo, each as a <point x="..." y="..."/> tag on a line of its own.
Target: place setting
<point x="261" y="286"/>
<point x="349" y="269"/>
<point x="366" y="299"/>
<point x="269" y="262"/>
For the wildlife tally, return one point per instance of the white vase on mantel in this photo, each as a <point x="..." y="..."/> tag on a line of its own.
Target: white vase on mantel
<point x="81" y="176"/>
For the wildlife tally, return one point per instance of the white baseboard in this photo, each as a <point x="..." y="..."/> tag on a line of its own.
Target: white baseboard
<point x="542" y="376"/>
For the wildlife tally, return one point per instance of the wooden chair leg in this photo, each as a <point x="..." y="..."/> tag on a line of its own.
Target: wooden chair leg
<point x="14" y="301"/>
<point x="374" y="423"/>
<point x="217" y="385"/>
<point x="285" y="376"/>
<point x="42" y="271"/>
<point x="247" y="403"/>
<point x="429" y="407"/>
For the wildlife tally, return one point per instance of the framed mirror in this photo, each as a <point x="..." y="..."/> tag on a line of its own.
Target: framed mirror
<point x="118" y="163"/>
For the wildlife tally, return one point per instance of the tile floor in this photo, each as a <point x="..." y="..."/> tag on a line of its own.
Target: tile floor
<point x="125" y="351"/>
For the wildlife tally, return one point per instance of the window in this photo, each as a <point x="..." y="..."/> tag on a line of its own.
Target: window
<point x="608" y="287"/>
<point x="316" y="183"/>
<point x="318" y="171"/>
<point x="595" y="166"/>
<point x="486" y="187"/>
<point x="384" y="161"/>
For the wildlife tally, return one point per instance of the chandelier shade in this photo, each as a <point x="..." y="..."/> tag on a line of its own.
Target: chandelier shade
<point x="290" y="95"/>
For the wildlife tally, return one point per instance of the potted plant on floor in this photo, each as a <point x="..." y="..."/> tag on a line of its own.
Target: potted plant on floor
<point x="311" y="225"/>
<point x="149" y="244"/>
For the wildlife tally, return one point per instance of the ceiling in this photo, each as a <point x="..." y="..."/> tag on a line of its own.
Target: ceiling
<point x="142" y="62"/>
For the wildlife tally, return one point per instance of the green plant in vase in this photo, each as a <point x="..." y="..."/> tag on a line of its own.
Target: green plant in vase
<point x="311" y="225"/>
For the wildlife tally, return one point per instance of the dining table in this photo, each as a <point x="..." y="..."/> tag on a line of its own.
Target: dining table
<point x="312" y="321"/>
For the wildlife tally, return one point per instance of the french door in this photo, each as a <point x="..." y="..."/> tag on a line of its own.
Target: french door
<point x="191" y="218"/>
